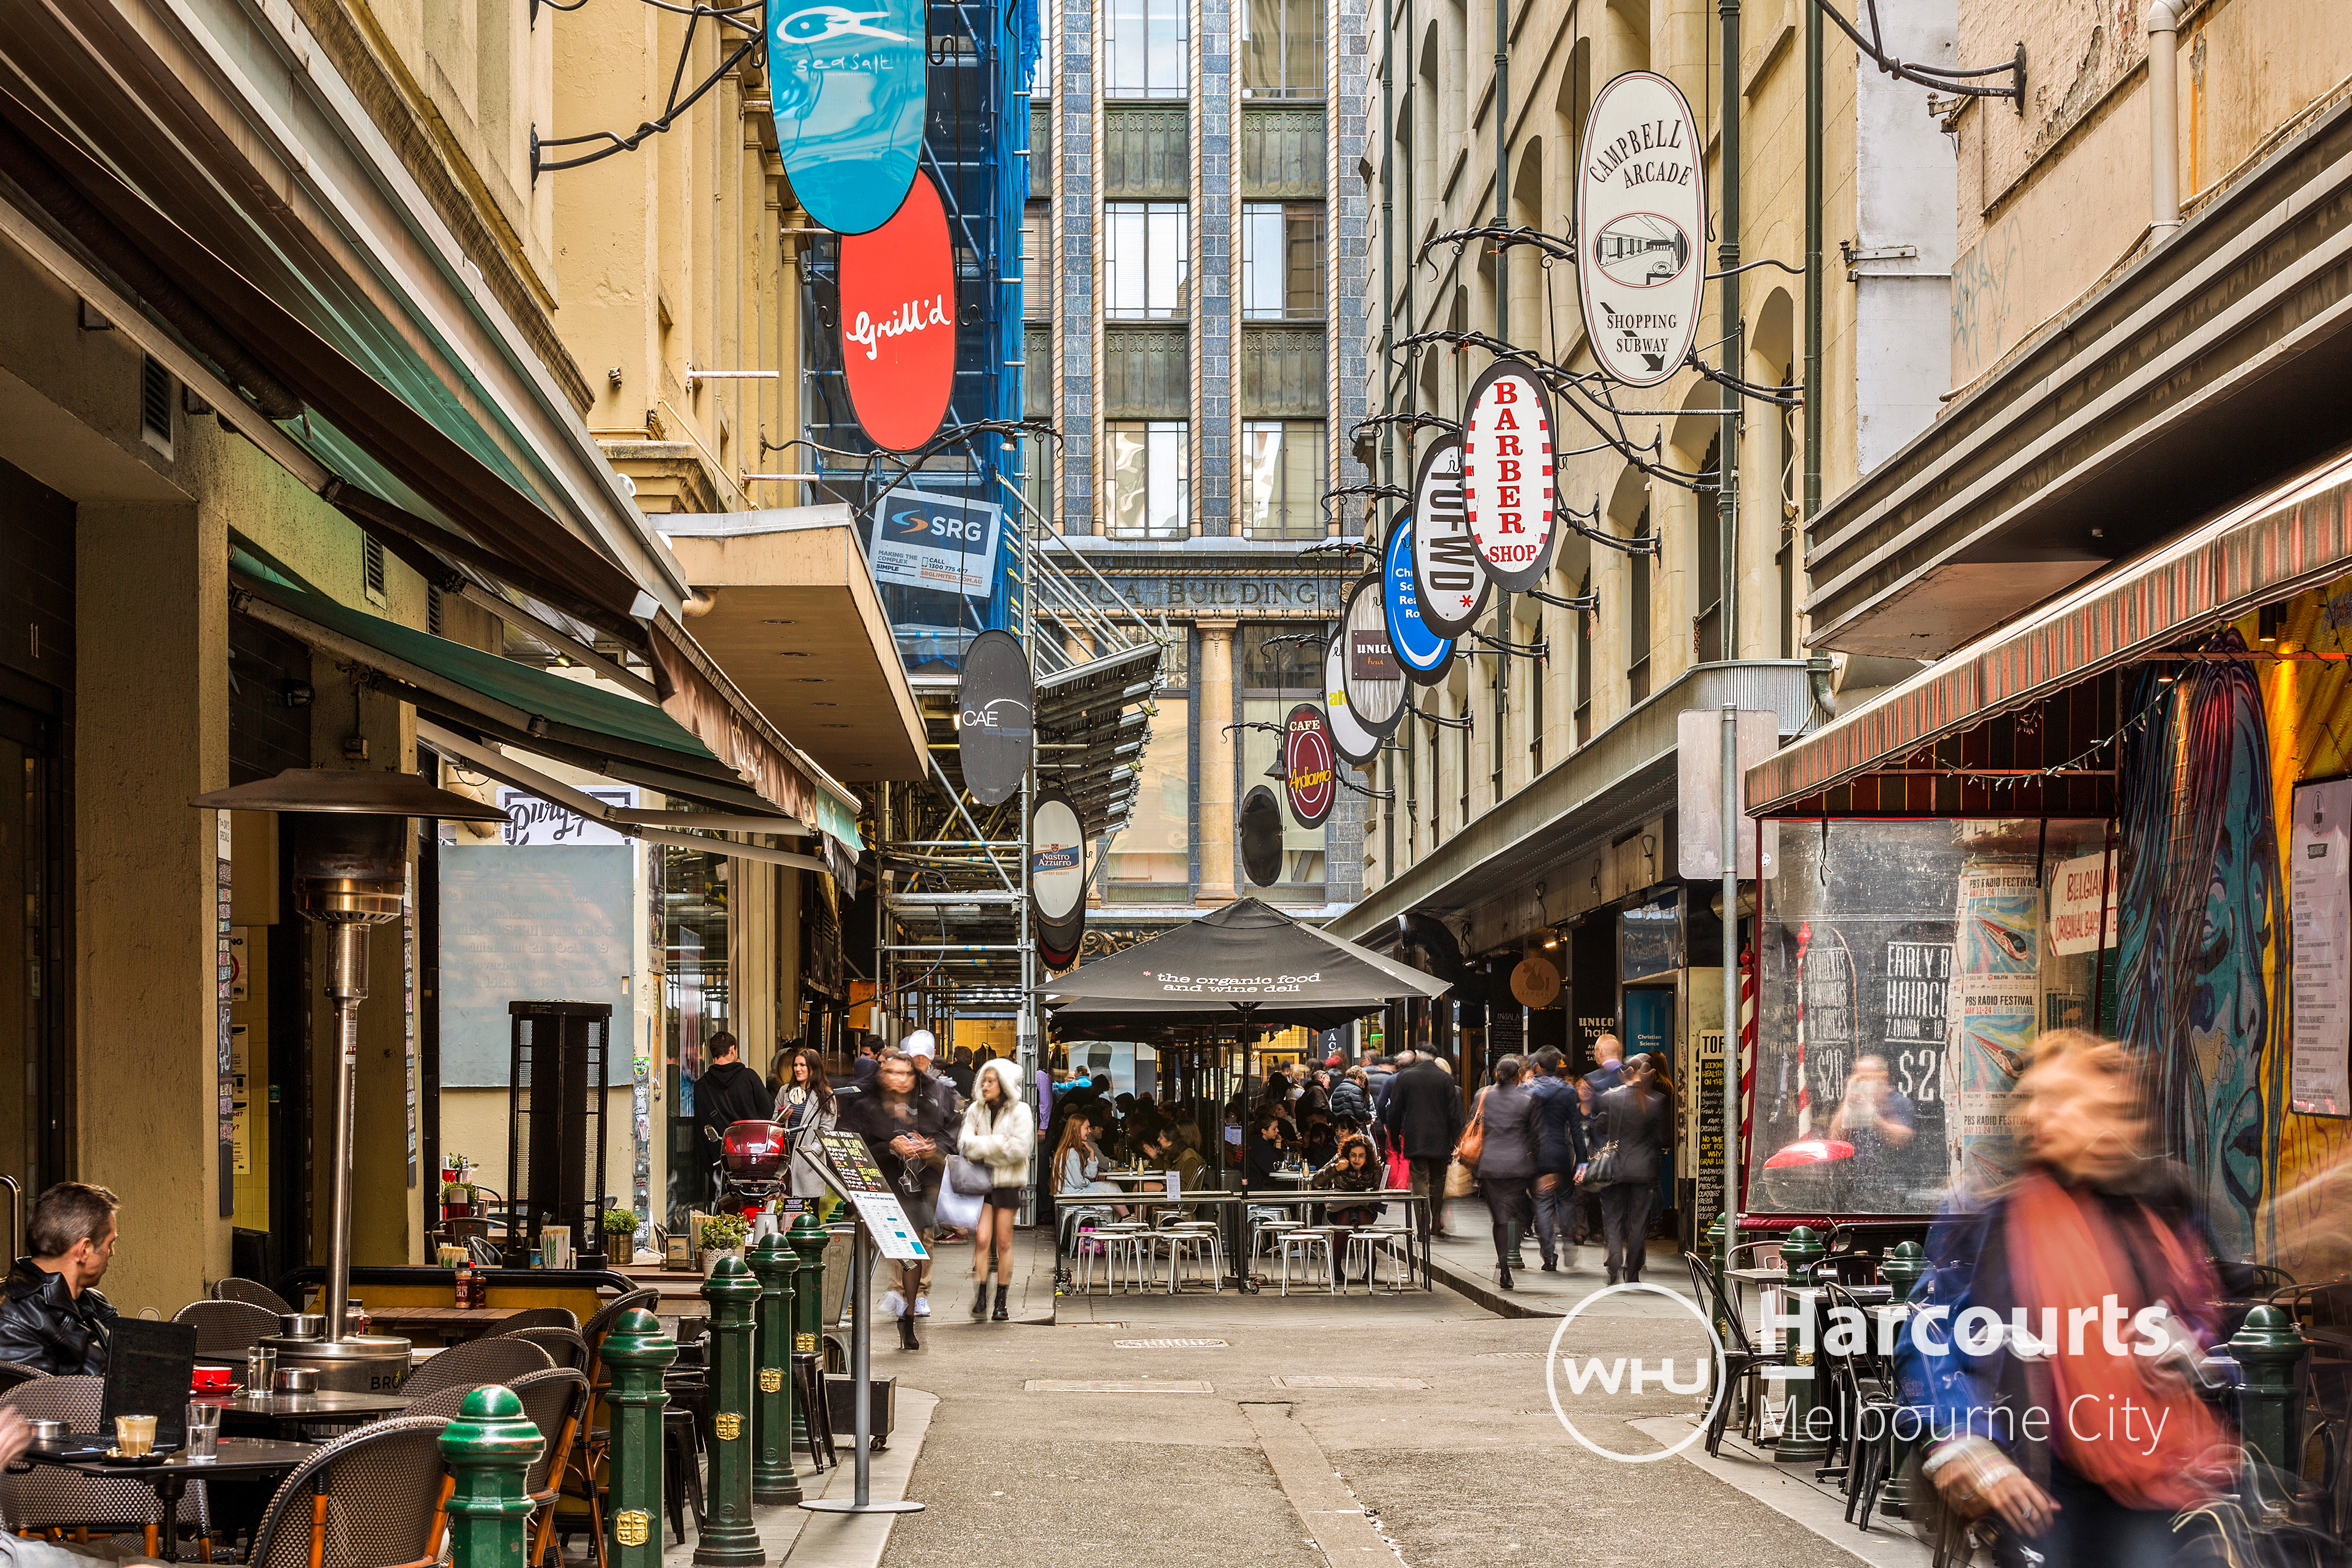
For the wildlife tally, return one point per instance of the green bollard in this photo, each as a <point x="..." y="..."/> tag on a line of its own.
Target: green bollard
<point x="2269" y="1345"/>
<point x="489" y="1450"/>
<point x="637" y="1353"/>
<point x="730" y="1539"/>
<point x="807" y="1238"/>
<point x="1905" y="1266"/>
<point x="1801" y="1442"/>
<point x="773" y="1480"/>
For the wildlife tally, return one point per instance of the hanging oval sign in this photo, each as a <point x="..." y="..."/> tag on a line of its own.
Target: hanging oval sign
<point x="1261" y="825"/>
<point x="847" y="86"/>
<point x="1355" y="742"/>
<point x="1420" y="652"/>
<point x="1506" y="476"/>
<point x="1057" y="859"/>
<point x="1369" y="675"/>
<point x="1641" y="218"/>
<point x="1311" y="768"/>
<point x="898" y="321"/>
<point x="1446" y="580"/>
<point x="992" y="723"/>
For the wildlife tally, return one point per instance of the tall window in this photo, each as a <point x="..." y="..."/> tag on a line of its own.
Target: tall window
<point x="1282" y="260"/>
<point x="1037" y="480"/>
<point x="1150" y="858"/>
<point x="1282" y="48"/>
<point x="1150" y="480"/>
<point x="1707" y="627"/>
<point x="1037" y="262"/>
<point x="1791" y="509"/>
<point x="1282" y="478"/>
<point x="1585" y="622"/>
<point x="1148" y="48"/>
<point x="1148" y="254"/>
<point x="1275" y="676"/>
<point x="1049" y="64"/>
<point x="1637" y="616"/>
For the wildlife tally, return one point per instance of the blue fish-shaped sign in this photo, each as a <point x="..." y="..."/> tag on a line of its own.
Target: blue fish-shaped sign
<point x="847" y="86"/>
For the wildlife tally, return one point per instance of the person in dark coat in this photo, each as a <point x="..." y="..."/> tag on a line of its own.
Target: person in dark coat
<point x="1611" y="1070"/>
<point x="1632" y="1118"/>
<point x="52" y="1314"/>
<point x="1424" y="1118"/>
<point x="728" y="1091"/>
<point x="1559" y="1150"/>
<point x="907" y="1133"/>
<point x="1508" y="1111"/>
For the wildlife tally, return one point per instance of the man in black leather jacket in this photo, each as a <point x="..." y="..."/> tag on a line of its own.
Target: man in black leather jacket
<point x="52" y="1315"/>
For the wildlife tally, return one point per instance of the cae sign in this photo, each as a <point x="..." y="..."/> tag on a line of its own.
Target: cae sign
<point x="1641" y="218"/>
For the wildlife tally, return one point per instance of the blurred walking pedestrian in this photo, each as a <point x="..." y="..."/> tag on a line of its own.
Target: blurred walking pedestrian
<point x="1559" y="1150"/>
<point x="903" y="1126"/>
<point x="1505" y="1119"/>
<point x="1624" y="1167"/>
<point x="1424" y="1118"/>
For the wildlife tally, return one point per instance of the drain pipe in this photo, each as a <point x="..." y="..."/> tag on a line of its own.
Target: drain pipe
<point x="2163" y="110"/>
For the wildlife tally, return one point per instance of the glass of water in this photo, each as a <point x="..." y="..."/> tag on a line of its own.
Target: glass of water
<point x="204" y="1431"/>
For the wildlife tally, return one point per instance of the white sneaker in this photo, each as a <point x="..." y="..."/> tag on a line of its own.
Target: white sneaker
<point x="893" y="1304"/>
<point x="922" y="1306"/>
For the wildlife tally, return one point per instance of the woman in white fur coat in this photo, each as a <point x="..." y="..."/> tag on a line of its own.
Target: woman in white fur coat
<point x="1000" y="1132"/>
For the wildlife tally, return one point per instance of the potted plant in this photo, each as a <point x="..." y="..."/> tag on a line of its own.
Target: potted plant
<point x="620" y="1229"/>
<point x="722" y="1237"/>
<point x="457" y="1199"/>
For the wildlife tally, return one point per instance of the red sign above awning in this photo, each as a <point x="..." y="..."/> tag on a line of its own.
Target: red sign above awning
<point x="898" y="321"/>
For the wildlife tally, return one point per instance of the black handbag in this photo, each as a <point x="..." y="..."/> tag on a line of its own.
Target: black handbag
<point x="1601" y="1171"/>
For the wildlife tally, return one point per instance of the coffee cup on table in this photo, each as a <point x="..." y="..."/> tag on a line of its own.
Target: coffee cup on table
<point x="134" y="1435"/>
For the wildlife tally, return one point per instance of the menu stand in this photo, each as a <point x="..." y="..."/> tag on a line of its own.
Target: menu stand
<point x="860" y="1186"/>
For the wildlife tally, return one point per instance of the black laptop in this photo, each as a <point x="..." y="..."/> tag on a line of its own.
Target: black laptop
<point x="149" y="1367"/>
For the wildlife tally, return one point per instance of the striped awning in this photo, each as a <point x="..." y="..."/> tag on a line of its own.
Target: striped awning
<point x="2293" y="538"/>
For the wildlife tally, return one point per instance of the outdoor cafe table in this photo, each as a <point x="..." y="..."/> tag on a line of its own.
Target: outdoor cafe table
<point x="1235" y="1204"/>
<point x="237" y="1457"/>
<point x="280" y="1412"/>
<point x="451" y="1324"/>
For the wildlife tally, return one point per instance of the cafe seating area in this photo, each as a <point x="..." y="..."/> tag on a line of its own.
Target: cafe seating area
<point x="301" y="1476"/>
<point x="1212" y="1237"/>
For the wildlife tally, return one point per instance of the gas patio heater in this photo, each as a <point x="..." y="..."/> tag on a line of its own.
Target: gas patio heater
<point x="347" y="842"/>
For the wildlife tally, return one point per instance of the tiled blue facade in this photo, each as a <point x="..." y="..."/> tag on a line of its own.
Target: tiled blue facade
<point x="1074" y="255"/>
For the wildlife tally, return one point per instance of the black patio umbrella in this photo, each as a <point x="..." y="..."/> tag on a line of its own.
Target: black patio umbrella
<point x="1248" y="967"/>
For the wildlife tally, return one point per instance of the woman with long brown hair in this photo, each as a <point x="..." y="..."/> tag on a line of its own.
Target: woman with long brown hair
<point x="804" y="1106"/>
<point x="904" y="1128"/>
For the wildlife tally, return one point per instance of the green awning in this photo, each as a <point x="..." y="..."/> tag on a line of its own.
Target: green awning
<point x="514" y="704"/>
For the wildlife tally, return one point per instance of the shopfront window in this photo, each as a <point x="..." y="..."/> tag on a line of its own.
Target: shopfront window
<point x="695" y="1005"/>
<point x="1908" y="967"/>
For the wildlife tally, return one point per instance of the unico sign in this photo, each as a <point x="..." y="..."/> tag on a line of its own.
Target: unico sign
<point x="898" y="321"/>
<point x="1641" y="218"/>
<point x="1309" y="769"/>
<point x="1507" y="477"/>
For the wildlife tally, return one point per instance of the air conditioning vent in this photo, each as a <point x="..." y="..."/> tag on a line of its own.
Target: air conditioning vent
<point x="372" y="567"/>
<point x="155" y="404"/>
<point x="433" y="608"/>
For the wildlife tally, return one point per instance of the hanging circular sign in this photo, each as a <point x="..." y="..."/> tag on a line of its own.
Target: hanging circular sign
<point x="1057" y="859"/>
<point x="1355" y="742"/>
<point x="1641" y="217"/>
<point x="1506" y="476"/>
<point x="898" y="321"/>
<point x="1420" y="652"/>
<point x="1260" y="823"/>
<point x="1369" y="675"/>
<point x="993" y="724"/>
<point x="1446" y="580"/>
<point x="1310" y="765"/>
<point x="1535" y="982"/>
<point x="846" y="87"/>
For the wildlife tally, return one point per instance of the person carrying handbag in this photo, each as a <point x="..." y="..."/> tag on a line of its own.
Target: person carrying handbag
<point x="1624" y="1167"/>
<point x="1500" y="1146"/>
<point x="1000" y="1134"/>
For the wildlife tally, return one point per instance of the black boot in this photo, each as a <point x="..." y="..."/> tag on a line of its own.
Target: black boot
<point x="906" y="1340"/>
<point x="1001" y="1315"/>
<point x="1502" y="1254"/>
<point x="979" y="1299"/>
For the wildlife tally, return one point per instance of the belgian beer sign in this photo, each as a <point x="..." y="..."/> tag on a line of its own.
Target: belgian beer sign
<point x="1640" y="221"/>
<point x="1507" y="477"/>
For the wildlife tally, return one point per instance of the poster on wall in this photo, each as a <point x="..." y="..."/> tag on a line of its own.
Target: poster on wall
<point x="2081" y="920"/>
<point x="1640" y="222"/>
<point x="2319" y="905"/>
<point x="1994" y="1012"/>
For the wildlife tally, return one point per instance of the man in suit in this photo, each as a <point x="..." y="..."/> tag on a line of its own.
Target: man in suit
<point x="1424" y="1118"/>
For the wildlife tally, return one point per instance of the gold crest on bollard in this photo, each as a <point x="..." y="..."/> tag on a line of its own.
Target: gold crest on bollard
<point x="632" y="1526"/>
<point x="804" y="1344"/>
<point x="728" y="1425"/>
<point x="770" y="1379"/>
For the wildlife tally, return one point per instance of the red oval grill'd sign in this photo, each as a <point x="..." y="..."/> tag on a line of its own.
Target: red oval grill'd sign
<point x="1308" y="764"/>
<point x="898" y="321"/>
<point x="1507" y="477"/>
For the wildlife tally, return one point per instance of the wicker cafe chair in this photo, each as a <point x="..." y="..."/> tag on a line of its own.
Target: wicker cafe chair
<point x="555" y="1401"/>
<point x="50" y="1499"/>
<point x="226" y="1330"/>
<point x="564" y="1347"/>
<point x="536" y="1318"/>
<point x="497" y="1359"/>
<point x="595" y="1330"/>
<point x="253" y="1291"/>
<point x="377" y="1497"/>
<point x="14" y="1373"/>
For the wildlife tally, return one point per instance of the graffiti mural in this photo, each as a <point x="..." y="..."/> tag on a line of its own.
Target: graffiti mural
<point x="2203" y="913"/>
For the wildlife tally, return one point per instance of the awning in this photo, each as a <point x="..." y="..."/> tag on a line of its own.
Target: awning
<point x="2293" y="538"/>
<point x="495" y="698"/>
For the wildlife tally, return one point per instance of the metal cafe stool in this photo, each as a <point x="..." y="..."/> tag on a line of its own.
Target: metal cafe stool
<point x="1306" y="1243"/>
<point x="1373" y="1243"/>
<point x="1194" y="1242"/>
<point x="1109" y="1242"/>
